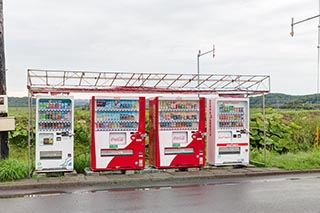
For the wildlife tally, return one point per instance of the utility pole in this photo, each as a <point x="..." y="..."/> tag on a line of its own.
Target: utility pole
<point x="3" y="88"/>
<point x="293" y="23"/>
<point x="198" y="64"/>
<point x="318" y="62"/>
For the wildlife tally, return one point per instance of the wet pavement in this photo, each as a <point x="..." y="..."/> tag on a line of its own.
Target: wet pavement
<point x="293" y="192"/>
<point x="148" y="176"/>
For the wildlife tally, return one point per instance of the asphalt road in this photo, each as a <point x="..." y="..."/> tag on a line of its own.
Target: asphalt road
<point x="290" y="193"/>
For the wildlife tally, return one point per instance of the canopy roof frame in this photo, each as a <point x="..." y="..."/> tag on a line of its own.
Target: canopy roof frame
<point x="60" y="81"/>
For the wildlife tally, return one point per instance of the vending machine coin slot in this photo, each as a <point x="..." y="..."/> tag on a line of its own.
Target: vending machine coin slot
<point x="243" y="131"/>
<point x="64" y="134"/>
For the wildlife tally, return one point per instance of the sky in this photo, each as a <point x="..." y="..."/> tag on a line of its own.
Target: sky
<point x="250" y="37"/>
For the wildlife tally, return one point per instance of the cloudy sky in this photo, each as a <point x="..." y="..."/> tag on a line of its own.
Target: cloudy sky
<point x="250" y="36"/>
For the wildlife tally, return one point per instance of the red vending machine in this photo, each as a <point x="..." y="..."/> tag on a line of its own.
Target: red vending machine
<point x="176" y="137"/>
<point x="228" y="131"/>
<point x="118" y="133"/>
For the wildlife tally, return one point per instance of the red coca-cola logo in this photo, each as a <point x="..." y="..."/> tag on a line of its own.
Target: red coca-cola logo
<point x="224" y="137"/>
<point x="179" y="138"/>
<point x="117" y="139"/>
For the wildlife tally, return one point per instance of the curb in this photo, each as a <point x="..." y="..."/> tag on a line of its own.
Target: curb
<point x="136" y="180"/>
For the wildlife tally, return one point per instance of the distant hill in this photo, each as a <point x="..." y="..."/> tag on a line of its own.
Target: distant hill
<point x="19" y="101"/>
<point x="279" y="100"/>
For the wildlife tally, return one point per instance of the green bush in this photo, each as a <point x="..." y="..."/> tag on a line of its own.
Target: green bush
<point x="81" y="162"/>
<point x="11" y="169"/>
<point x="279" y="132"/>
<point x="82" y="132"/>
<point x="19" y="137"/>
<point x="305" y="136"/>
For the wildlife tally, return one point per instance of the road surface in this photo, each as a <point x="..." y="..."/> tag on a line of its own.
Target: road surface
<point x="287" y="193"/>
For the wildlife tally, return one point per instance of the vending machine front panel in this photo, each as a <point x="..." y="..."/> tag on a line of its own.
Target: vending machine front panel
<point x="177" y="129"/>
<point x="118" y="133"/>
<point x="54" y="133"/>
<point x="228" y="131"/>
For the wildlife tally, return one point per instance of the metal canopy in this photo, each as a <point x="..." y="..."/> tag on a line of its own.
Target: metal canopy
<point x="59" y="81"/>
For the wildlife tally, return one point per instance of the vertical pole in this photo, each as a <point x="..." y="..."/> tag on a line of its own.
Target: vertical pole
<point x="264" y="131"/>
<point x="318" y="47"/>
<point x="32" y="126"/>
<point x="3" y="89"/>
<point x="317" y="139"/>
<point x="29" y="132"/>
<point x="318" y="61"/>
<point x="198" y="69"/>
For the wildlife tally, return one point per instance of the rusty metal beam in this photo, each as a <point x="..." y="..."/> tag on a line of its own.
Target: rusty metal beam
<point x="163" y="77"/>
<point x="121" y="81"/>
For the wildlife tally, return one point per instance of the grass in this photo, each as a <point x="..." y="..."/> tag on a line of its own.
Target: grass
<point x="289" y="161"/>
<point x="13" y="169"/>
<point x="18" y="153"/>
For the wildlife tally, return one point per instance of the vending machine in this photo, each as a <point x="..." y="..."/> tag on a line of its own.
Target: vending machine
<point x="176" y="137"/>
<point x="54" y="133"/>
<point x="228" y="131"/>
<point x="118" y="133"/>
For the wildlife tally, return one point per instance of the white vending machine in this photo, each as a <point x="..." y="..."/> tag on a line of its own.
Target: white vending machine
<point x="228" y="131"/>
<point x="54" y="133"/>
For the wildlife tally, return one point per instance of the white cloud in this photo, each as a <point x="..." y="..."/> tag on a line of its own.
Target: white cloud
<point x="251" y="37"/>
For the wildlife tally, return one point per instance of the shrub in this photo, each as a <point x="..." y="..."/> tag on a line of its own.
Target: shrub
<point x="19" y="137"/>
<point x="11" y="169"/>
<point x="279" y="132"/>
<point x="81" y="162"/>
<point x="82" y="132"/>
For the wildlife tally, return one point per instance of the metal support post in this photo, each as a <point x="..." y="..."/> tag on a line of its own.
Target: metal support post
<point x="264" y="131"/>
<point x="29" y="132"/>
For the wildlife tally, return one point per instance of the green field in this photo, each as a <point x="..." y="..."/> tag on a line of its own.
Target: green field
<point x="291" y="136"/>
